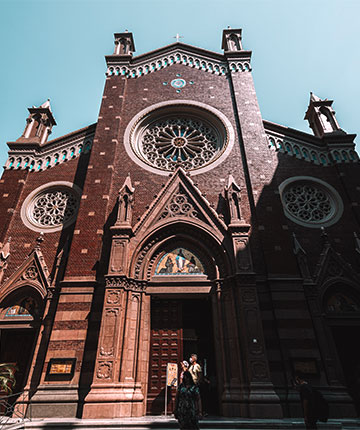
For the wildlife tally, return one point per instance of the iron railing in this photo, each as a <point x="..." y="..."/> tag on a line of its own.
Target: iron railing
<point x="15" y="409"/>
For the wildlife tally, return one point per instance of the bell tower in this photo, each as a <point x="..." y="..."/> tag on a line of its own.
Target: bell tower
<point x="124" y="44"/>
<point x="321" y="117"/>
<point x="39" y="124"/>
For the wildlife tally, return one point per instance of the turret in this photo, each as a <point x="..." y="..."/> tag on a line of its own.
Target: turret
<point x="39" y="124"/>
<point x="321" y="117"/>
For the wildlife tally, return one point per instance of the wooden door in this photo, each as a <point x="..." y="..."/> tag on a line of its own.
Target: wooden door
<point x="165" y="347"/>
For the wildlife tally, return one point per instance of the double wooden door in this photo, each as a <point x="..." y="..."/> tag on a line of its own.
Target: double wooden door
<point x="166" y="346"/>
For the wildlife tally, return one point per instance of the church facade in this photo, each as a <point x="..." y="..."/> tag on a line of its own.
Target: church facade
<point x="181" y="222"/>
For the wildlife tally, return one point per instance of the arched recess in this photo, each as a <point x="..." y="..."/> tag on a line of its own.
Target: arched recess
<point x="340" y="305"/>
<point x="203" y="242"/>
<point x="182" y="304"/>
<point x="21" y="312"/>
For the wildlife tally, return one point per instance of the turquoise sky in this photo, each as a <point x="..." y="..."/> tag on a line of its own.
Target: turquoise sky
<point x="55" y="49"/>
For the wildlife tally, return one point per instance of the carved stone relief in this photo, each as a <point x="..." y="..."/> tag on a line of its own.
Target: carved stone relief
<point x="109" y="332"/>
<point x="117" y="255"/>
<point x="113" y="297"/>
<point x="104" y="370"/>
<point x="259" y="369"/>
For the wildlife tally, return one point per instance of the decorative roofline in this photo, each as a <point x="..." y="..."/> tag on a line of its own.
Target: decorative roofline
<point x="35" y="157"/>
<point x="177" y="53"/>
<point x="314" y="149"/>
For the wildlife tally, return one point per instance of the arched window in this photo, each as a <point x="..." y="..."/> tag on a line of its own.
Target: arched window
<point x="179" y="262"/>
<point x="341" y="299"/>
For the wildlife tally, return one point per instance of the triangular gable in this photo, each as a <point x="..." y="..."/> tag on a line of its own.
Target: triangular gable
<point x="180" y="199"/>
<point x="331" y="264"/>
<point x="32" y="271"/>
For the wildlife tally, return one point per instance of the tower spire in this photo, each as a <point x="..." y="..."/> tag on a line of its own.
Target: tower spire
<point x="39" y="124"/>
<point x="321" y="117"/>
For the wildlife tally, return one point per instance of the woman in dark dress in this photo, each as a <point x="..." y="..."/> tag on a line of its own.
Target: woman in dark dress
<point x="188" y="403"/>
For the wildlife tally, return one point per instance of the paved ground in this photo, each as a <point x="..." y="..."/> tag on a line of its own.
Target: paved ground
<point x="169" y="423"/>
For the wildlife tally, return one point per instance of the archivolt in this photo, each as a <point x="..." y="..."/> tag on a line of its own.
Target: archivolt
<point x="184" y="234"/>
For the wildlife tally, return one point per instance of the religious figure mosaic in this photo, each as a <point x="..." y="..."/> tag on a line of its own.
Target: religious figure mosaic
<point x="26" y="307"/>
<point x="340" y="303"/>
<point x="180" y="261"/>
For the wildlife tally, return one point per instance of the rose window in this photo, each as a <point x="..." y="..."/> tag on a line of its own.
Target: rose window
<point x="312" y="203"/>
<point x="180" y="141"/>
<point x="54" y="207"/>
<point x="51" y="206"/>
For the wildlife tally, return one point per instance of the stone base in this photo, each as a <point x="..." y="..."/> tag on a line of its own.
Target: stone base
<point x="264" y="402"/>
<point x="54" y="401"/>
<point x="114" y="401"/>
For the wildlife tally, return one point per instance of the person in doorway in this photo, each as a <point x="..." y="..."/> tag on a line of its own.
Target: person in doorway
<point x="195" y="369"/>
<point x="308" y="402"/>
<point x="184" y="367"/>
<point x="188" y="403"/>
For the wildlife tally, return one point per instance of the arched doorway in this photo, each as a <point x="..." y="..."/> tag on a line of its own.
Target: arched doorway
<point x="181" y="322"/>
<point x="341" y="306"/>
<point x="20" y="314"/>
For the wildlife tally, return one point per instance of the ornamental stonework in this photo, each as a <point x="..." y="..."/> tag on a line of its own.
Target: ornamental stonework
<point x="180" y="205"/>
<point x="54" y="207"/>
<point x="185" y="141"/>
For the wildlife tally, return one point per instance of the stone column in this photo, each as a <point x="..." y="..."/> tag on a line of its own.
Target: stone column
<point x="117" y="388"/>
<point x="263" y="401"/>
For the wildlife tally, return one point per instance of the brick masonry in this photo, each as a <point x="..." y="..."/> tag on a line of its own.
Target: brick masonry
<point x="267" y="314"/>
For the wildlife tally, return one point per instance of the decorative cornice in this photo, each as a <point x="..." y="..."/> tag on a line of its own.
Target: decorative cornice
<point x="310" y="148"/>
<point x="125" y="283"/>
<point x="177" y="53"/>
<point x="35" y="157"/>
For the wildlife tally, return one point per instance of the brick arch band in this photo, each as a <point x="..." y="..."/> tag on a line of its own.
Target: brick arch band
<point x="204" y="245"/>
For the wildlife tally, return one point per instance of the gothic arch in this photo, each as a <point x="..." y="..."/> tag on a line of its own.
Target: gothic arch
<point x="208" y="247"/>
<point x="27" y="296"/>
<point x="340" y="296"/>
<point x="13" y="289"/>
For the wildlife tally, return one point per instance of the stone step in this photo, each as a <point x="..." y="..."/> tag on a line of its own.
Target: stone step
<point x="169" y="423"/>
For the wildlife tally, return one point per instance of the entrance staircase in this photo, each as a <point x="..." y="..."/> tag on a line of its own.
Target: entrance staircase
<point x="167" y="423"/>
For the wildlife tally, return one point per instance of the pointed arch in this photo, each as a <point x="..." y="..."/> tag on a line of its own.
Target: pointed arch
<point x="180" y="233"/>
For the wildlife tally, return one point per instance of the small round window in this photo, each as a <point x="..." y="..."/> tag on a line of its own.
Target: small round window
<point x="310" y="202"/>
<point x="51" y="207"/>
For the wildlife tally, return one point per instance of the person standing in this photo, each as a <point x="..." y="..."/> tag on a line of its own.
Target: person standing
<point x="187" y="403"/>
<point x="308" y="402"/>
<point x="195" y="369"/>
<point x="184" y="367"/>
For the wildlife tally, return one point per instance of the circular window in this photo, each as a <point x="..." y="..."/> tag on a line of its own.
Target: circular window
<point x="310" y="202"/>
<point x="51" y="207"/>
<point x="179" y="134"/>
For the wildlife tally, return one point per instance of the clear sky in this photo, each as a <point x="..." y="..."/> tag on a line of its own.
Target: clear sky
<point x="55" y="49"/>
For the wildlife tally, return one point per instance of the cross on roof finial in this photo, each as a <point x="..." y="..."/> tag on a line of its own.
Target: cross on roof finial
<point x="177" y="37"/>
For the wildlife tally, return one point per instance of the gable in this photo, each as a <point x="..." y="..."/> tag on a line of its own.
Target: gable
<point x="180" y="199"/>
<point x="177" y="53"/>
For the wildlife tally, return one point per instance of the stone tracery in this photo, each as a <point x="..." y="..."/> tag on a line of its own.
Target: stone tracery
<point x="307" y="202"/>
<point x="54" y="207"/>
<point x="186" y="141"/>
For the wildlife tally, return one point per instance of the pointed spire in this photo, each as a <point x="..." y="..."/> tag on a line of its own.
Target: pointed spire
<point x="46" y="105"/>
<point x="321" y="117"/>
<point x="127" y="185"/>
<point x="39" y="241"/>
<point x="314" y="98"/>
<point x="297" y="247"/>
<point x="5" y="250"/>
<point x="232" y="183"/>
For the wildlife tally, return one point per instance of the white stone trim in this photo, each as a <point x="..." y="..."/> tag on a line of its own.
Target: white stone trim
<point x="316" y="155"/>
<point x="336" y="201"/>
<point x="198" y="62"/>
<point x="211" y="114"/>
<point x="26" y="207"/>
<point x="49" y="156"/>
